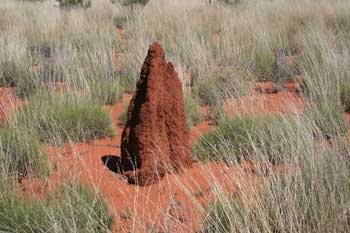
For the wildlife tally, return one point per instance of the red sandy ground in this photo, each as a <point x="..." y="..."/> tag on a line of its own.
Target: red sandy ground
<point x="9" y="102"/>
<point x="176" y="204"/>
<point x="263" y="100"/>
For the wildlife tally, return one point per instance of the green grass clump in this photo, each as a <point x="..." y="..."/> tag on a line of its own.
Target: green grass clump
<point x="312" y="199"/>
<point x="193" y="115"/>
<point x="345" y="96"/>
<point x="251" y="137"/>
<point x="328" y="119"/>
<point x="19" y="75"/>
<point x="20" y="153"/>
<point x="72" y="208"/>
<point x="221" y="83"/>
<point x="106" y="91"/>
<point x="59" y="118"/>
<point x="119" y="21"/>
<point x="123" y="117"/>
<point x="264" y="64"/>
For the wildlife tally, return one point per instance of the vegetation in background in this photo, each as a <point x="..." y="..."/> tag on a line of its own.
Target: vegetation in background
<point x="74" y="3"/>
<point x="130" y="2"/>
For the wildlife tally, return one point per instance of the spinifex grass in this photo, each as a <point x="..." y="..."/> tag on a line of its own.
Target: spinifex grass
<point x="57" y="117"/>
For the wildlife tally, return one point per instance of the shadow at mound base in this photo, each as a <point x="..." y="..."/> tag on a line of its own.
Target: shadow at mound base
<point x="112" y="162"/>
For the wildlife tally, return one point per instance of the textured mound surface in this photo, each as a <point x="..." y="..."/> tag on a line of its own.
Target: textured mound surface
<point x="155" y="139"/>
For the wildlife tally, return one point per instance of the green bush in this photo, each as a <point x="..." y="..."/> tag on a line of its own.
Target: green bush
<point x="20" y="152"/>
<point x="272" y="138"/>
<point x="57" y="118"/>
<point x="72" y="208"/>
<point x="328" y="119"/>
<point x="193" y="114"/>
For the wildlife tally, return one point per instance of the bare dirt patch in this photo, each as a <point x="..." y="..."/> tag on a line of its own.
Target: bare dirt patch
<point x="264" y="100"/>
<point x="9" y="102"/>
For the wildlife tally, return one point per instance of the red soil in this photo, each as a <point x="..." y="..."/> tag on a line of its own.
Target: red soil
<point x="263" y="100"/>
<point x="202" y="128"/>
<point x="9" y="102"/>
<point x="155" y="139"/>
<point x="121" y="35"/>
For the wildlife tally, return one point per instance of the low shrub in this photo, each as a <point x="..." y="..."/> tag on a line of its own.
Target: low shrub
<point x="57" y="118"/>
<point x="271" y="138"/>
<point x="72" y="208"/>
<point x="193" y="114"/>
<point x="328" y="119"/>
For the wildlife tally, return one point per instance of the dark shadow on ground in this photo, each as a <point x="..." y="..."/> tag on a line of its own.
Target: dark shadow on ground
<point x="112" y="162"/>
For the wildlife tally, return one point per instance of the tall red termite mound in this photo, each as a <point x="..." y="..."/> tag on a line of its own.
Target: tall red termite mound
<point x="155" y="139"/>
